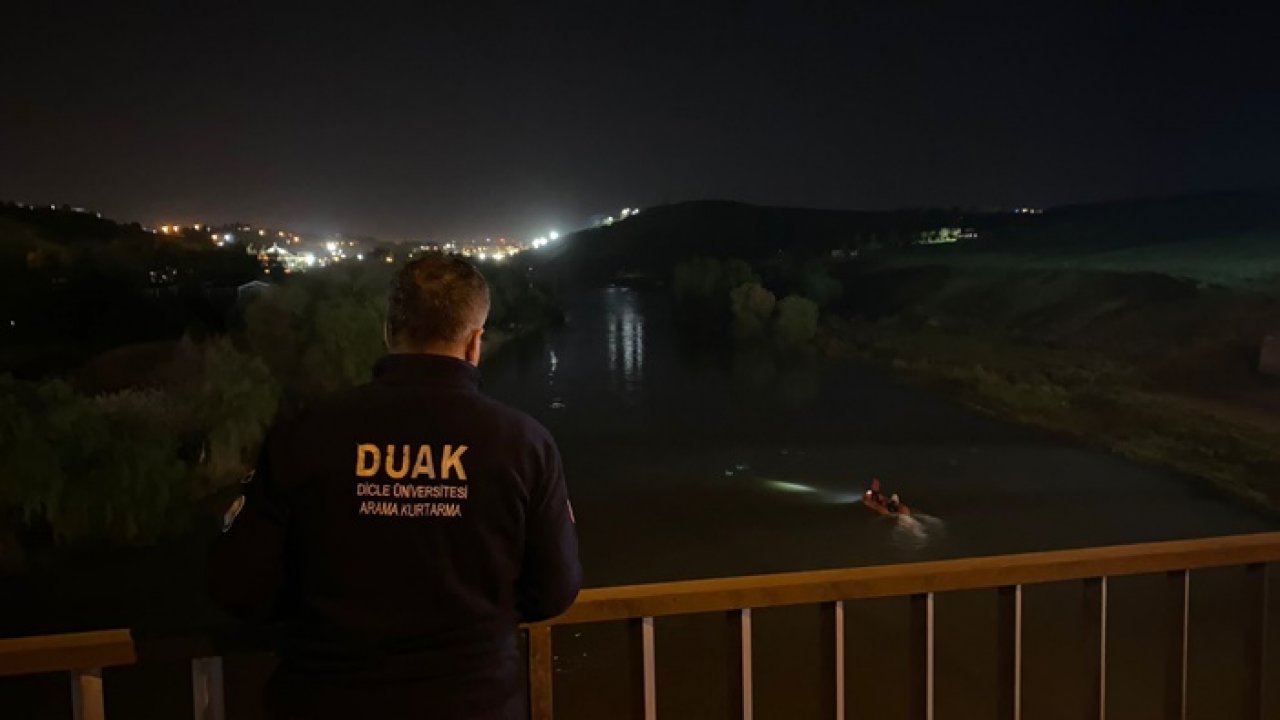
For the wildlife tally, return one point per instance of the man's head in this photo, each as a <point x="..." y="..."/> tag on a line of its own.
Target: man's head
<point x="438" y="305"/>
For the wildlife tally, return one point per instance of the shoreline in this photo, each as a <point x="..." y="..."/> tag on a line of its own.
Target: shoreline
<point x="1093" y="399"/>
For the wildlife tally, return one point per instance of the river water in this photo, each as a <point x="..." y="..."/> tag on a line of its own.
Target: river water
<point x="688" y="463"/>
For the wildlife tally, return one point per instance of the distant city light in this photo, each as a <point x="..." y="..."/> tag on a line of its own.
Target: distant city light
<point x="262" y="232"/>
<point x="554" y="235"/>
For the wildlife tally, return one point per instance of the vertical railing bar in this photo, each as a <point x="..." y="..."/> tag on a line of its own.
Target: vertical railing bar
<point x="929" y="659"/>
<point x="207" y="698"/>
<point x="1177" y="644"/>
<point x="86" y="695"/>
<point x="1102" y="649"/>
<point x="748" y="707"/>
<point x="831" y="652"/>
<point x="650" y="670"/>
<point x="1186" y="637"/>
<point x="541" y="673"/>
<point x="1095" y="646"/>
<point x="839" y="669"/>
<point x="1017" y="652"/>
<point x="1256" y="639"/>
<point x="922" y="657"/>
<point x="1009" y="601"/>
<point x="734" y="664"/>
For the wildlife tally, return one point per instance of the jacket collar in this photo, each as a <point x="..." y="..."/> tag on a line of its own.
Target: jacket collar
<point x="424" y="369"/>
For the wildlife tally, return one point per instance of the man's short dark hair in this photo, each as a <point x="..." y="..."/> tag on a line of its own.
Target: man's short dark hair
<point x="436" y="299"/>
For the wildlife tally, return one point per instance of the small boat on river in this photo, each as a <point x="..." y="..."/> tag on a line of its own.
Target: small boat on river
<point x="882" y="505"/>
<point x="873" y="501"/>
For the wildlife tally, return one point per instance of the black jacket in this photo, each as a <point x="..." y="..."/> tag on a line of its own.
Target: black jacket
<point x="401" y="531"/>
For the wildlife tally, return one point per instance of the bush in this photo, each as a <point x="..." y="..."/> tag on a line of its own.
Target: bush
<point x="709" y="281"/>
<point x="515" y="302"/>
<point x="321" y="332"/>
<point x="752" y="306"/>
<point x="796" y="321"/>
<point x="92" y="467"/>
<point x="113" y="466"/>
<point x="233" y="402"/>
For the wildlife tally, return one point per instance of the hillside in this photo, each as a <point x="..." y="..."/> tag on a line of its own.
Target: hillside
<point x="68" y="226"/>
<point x="1232" y="232"/>
<point x="72" y="283"/>
<point x="655" y="240"/>
<point x="1132" y="223"/>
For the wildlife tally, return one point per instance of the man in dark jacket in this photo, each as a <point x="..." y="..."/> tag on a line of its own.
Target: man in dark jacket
<point x="402" y="529"/>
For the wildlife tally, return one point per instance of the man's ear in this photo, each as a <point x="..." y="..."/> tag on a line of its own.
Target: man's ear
<point x="473" y="347"/>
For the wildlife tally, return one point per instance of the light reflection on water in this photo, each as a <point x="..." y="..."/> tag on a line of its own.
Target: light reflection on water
<point x="625" y="343"/>
<point x="917" y="531"/>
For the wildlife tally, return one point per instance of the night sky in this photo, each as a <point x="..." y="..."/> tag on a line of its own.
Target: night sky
<point x="479" y="119"/>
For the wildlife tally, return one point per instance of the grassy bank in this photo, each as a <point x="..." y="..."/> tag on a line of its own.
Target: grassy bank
<point x="1243" y="261"/>
<point x="1154" y="368"/>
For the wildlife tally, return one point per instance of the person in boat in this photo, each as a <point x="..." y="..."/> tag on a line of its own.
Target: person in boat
<point x="894" y="504"/>
<point x="874" y="494"/>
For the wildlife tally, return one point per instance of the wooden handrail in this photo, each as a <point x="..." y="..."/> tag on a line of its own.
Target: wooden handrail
<point x="798" y="588"/>
<point x="69" y="651"/>
<point x="72" y="651"/>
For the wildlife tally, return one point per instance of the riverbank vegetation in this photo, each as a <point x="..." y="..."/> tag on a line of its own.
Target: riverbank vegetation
<point x="775" y="304"/>
<point x="123" y="448"/>
<point x="1157" y="368"/>
<point x="1114" y="325"/>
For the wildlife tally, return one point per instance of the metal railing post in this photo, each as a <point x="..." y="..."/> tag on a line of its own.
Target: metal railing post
<point x="741" y="689"/>
<point x="1256" y="606"/>
<point x="541" y="672"/>
<point x="833" y="659"/>
<point x="206" y="689"/>
<point x="644" y="668"/>
<point x="1010" y="650"/>
<point x="1179" y="608"/>
<point x="650" y="669"/>
<point x="87" y="702"/>
<point x="921" y="657"/>
<point x="1095" y="638"/>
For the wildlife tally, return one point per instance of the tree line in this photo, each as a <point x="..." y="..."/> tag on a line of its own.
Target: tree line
<point x="777" y="304"/>
<point x="132" y="464"/>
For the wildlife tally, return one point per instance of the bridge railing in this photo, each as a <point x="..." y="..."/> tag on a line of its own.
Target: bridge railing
<point x="83" y="655"/>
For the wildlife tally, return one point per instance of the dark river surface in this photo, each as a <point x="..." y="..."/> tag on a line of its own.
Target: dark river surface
<point x="692" y="464"/>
